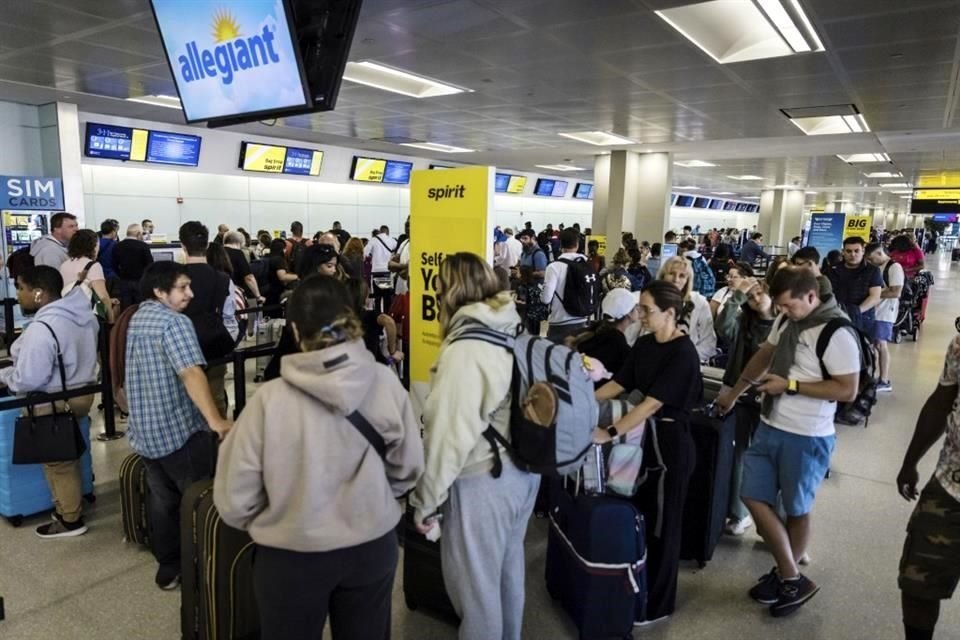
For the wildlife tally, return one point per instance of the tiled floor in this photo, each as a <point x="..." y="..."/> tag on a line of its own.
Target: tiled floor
<point x="97" y="587"/>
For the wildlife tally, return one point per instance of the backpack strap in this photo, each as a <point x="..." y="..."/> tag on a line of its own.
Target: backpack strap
<point x="380" y="240"/>
<point x="367" y="431"/>
<point x="824" y="341"/>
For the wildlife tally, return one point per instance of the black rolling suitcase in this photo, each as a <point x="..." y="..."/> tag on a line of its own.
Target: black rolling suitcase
<point x="133" y="499"/>
<point x="423" y="574"/>
<point x="705" y="511"/>
<point x="596" y="562"/>
<point x="217" y="600"/>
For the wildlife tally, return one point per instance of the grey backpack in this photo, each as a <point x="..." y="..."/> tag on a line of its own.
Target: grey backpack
<point x="553" y="410"/>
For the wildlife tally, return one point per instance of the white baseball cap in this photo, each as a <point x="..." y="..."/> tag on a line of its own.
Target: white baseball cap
<point x="618" y="303"/>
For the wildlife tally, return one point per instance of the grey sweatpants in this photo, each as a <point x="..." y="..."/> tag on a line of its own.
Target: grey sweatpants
<point x="484" y="525"/>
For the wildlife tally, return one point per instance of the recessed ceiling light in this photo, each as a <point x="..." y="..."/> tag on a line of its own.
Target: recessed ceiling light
<point x="688" y="188"/>
<point x="724" y="193"/>
<point x="599" y="138"/>
<point x="739" y="30"/>
<point x="159" y="100"/>
<point x="693" y="163"/>
<point x="884" y="174"/>
<point x="751" y="197"/>
<point x="746" y="177"/>
<point x="380" y="76"/>
<point x="560" y="167"/>
<point x="864" y="158"/>
<point x="436" y="146"/>
<point x="901" y="192"/>
<point x="831" y="125"/>
<point x="895" y="185"/>
<point x="812" y="193"/>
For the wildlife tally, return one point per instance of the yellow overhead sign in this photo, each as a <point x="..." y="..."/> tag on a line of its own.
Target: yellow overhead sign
<point x="936" y="194"/>
<point x="943" y="179"/>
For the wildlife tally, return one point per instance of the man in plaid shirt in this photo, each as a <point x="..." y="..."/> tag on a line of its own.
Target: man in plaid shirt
<point x="173" y="416"/>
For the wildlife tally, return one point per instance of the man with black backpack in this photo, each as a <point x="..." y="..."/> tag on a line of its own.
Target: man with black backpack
<point x="211" y="305"/>
<point x="572" y="289"/>
<point x="296" y="245"/>
<point x="894" y="283"/>
<point x="810" y="361"/>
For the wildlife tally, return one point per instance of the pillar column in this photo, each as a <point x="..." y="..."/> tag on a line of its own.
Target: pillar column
<point x="901" y="220"/>
<point x="61" y="153"/>
<point x="631" y="193"/>
<point x="781" y="215"/>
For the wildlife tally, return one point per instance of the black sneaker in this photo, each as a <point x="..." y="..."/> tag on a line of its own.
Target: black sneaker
<point x="765" y="591"/>
<point x="793" y="594"/>
<point x="57" y="528"/>
<point x="168" y="578"/>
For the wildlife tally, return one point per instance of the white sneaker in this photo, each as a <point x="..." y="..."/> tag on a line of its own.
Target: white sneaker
<point x="738" y="527"/>
<point x="805" y="559"/>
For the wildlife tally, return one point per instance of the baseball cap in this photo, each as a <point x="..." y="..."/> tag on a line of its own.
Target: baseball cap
<point x="618" y="303"/>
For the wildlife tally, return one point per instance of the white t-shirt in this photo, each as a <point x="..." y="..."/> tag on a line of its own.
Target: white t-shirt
<point x="403" y="285"/>
<point x="513" y="249"/>
<point x="554" y="282"/>
<point x="70" y="271"/>
<point x="380" y="248"/>
<point x="948" y="467"/>
<point x="802" y="414"/>
<point x="889" y="307"/>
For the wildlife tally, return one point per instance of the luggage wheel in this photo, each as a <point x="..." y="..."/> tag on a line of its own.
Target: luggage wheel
<point x="90" y="497"/>
<point x="15" y="521"/>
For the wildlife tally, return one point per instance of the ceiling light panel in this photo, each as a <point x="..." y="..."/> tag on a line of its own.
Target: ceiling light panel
<point x="884" y="174"/>
<point x="598" y="138"/>
<point x="739" y="30"/>
<point x="436" y="146"/>
<point x="864" y="158"/>
<point x="724" y="193"/>
<point x="379" y="76"/>
<point x="687" y="188"/>
<point x="560" y="167"/>
<point x="831" y="125"/>
<point x="895" y="185"/>
<point x="746" y="177"/>
<point x="170" y="102"/>
<point x="693" y="163"/>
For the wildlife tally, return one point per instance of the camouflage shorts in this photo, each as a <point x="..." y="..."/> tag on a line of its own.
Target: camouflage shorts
<point x="930" y="565"/>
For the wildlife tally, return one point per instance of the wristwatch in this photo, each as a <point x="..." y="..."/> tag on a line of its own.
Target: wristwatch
<point x="614" y="434"/>
<point x="793" y="387"/>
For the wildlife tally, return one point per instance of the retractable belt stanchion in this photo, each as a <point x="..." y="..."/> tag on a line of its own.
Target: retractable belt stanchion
<point x="110" y="431"/>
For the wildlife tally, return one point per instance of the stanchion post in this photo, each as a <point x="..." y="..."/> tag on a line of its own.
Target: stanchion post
<point x="8" y="325"/>
<point x="110" y="431"/>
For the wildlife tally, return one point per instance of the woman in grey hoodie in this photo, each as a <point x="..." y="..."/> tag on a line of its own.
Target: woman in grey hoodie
<point x="484" y="518"/>
<point x="314" y="494"/>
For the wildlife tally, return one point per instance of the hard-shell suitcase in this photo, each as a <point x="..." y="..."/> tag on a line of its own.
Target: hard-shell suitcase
<point x="423" y="574"/>
<point x="23" y="487"/>
<point x="133" y="500"/>
<point x="596" y="562"/>
<point x="708" y="497"/>
<point x="217" y="599"/>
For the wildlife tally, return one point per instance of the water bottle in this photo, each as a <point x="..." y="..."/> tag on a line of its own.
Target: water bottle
<point x="594" y="471"/>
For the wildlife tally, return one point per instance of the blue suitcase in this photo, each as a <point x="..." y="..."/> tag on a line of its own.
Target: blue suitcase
<point x="596" y="562"/>
<point x="23" y="488"/>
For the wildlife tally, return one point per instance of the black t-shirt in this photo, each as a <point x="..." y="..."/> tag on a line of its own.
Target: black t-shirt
<point x="241" y="268"/>
<point x="131" y="257"/>
<point x="276" y="288"/>
<point x="609" y="347"/>
<point x="668" y="371"/>
<point x="852" y="286"/>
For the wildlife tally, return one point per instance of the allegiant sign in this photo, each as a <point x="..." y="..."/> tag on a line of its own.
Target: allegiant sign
<point x="231" y="59"/>
<point x="28" y="193"/>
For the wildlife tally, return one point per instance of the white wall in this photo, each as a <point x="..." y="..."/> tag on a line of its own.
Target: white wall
<point x="20" y="132"/>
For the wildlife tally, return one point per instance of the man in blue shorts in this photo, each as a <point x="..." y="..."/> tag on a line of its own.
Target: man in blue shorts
<point x="887" y="310"/>
<point x="790" y="452"/>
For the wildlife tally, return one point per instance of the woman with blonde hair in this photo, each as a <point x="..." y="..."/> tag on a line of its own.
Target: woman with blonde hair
<point x="300" y="476"/>
<point x="695" y="320"/>
<point x="484" y="518"/>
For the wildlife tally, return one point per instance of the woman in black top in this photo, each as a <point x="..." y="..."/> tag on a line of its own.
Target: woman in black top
<point x="665" y="367"/>
<point x="604" y="340"/>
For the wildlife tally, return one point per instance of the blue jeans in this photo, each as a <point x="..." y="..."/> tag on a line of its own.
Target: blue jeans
<point x="168" y="478"/>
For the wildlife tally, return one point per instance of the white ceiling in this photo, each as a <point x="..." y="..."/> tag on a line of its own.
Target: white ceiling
<point x="538" y="67"/>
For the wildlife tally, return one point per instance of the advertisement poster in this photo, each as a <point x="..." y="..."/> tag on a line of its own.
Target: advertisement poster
<point x="29" y="193"/>
<point x="857" y="226"/>
<point x="450" y="212"/>
<point x="600" y="240"/>
<point x="826" y="232"/>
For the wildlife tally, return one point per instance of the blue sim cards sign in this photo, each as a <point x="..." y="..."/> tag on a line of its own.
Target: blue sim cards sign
<point x="231" y="58"/>
<point x="29" y="193"/>
<point x="826" y="232"/>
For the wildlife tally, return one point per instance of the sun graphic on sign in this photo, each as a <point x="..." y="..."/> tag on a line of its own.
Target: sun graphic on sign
<point x="225" y="26"/>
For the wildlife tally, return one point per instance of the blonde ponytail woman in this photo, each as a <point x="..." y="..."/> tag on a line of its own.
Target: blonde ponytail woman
<point x="695" y="320"/>
<point x="484" y="518"/>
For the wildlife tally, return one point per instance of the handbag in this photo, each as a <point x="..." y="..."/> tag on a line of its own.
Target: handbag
<point x="48" y="438"/>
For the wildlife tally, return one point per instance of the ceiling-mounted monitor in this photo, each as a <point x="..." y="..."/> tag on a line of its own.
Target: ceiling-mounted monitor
<point x="753" y="208"/>
<point x="501" y="182"/>
<point x="584" y="191"/>
<point x="716" y="204"/>
<point x="367" y="169"/>
<point x="267" y="158"/>
<point x="544" y="187"/>
<point x="701" y="203"/>
<point x="397" y="172"/>
<point x="141" y="145"/>
<point x="517" y="184"/>
<point x="729" y="206"/>
<point x="685" y="201"/>
<point x="559" y="189"/>
<point x="945" y="217"/>
<point x="235" y="62"/>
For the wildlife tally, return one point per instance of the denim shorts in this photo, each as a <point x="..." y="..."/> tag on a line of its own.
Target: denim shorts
<point x="779" y="463"/>
<point x="883" y="331"/>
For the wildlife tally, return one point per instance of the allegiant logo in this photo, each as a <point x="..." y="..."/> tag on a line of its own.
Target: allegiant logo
<point x="233" y="54"/>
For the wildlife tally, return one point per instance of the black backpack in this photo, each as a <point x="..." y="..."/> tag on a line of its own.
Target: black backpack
<point x="18" y="262"/>
<point x="906" y="293"/>
<point x="261" y="271"/>
<point x="581" y="292"/>
<point x="207" y="317"/>
<point x="862" y="406"/>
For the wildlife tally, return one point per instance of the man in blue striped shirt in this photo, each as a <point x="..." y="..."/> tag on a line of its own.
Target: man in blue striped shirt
<point x="173" y="416"/>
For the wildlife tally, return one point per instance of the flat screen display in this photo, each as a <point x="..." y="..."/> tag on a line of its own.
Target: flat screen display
<point x="368" y="169"/>
<point x="115" y="143"/>
<point x="559" y="189"/>
<point x="753" y="208"/>
<point x="264" y="158"/>
<point x="397" y="172"/>
<point x="173" y="148"/>
<point x="231" y="59"/>
<point x="583" y="190"/>
<point x="544" y="187"/>
<point x="701" y="203"/>
<point x="935" y="201"/>
<point x="517" y="184"/>
<point x="685" y="201"/>
<point x="945" y="217"/>
<point x="501" y="182"/>
<point x="741" y="206"/>
<point x="729" y="206"/>
<point x="303" y="162"/>
<point x="716" y="204"/>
